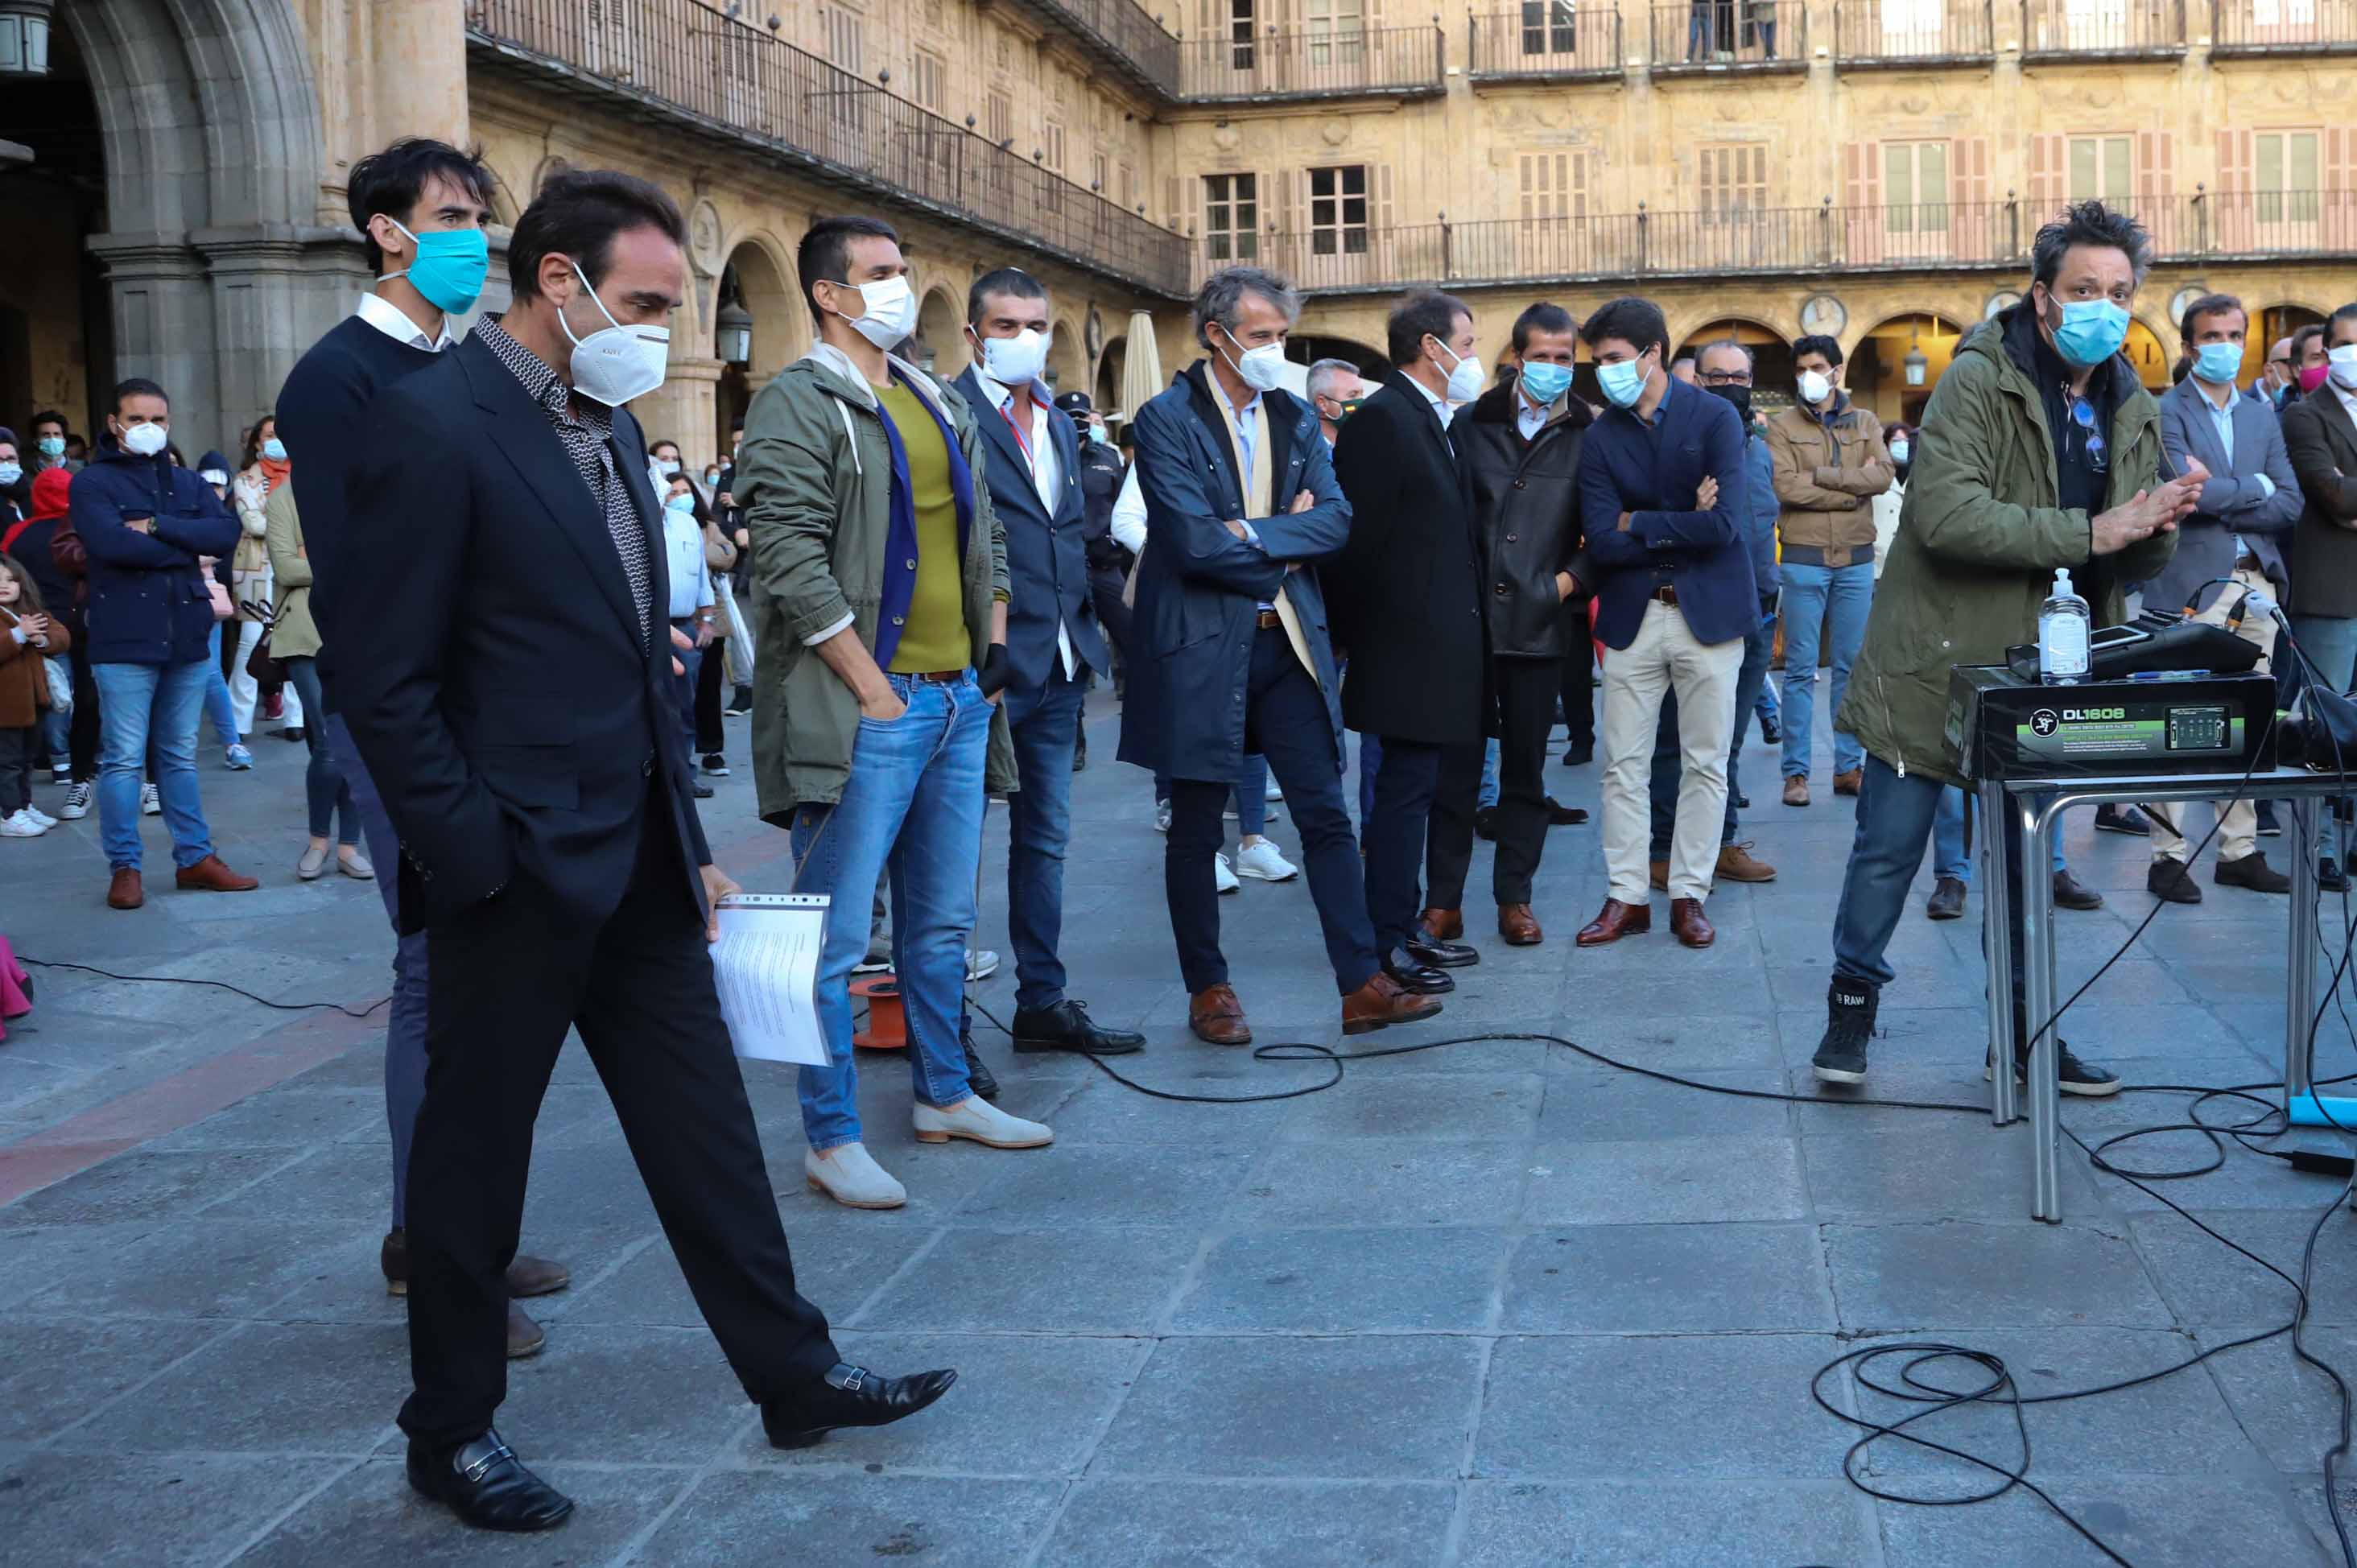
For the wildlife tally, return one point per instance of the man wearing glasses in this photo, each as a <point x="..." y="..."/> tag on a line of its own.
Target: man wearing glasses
<point x="2039" y="449"/>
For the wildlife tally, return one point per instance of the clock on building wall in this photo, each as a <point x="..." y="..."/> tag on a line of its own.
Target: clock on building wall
<point x="2000" y="302"/>
<point x="1824" y="316"/>
<point x="2183" y="297"/>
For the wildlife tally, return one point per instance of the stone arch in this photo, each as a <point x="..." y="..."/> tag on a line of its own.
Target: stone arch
<point x="1876" y="361"/>
<point x="1067" y="356"/>
<point x="757" y="268"/>
<point x="1772" y="353"/>
<point x="221" y="271"/>
<point x="1311" y="348"/>
<point x="2147" y="350"/>
<point x="1104" y="395"/>
<point x="940" y="328"/>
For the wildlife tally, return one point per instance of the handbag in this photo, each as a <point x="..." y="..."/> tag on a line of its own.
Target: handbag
<point x="262" y="667"/>
<point x="60" y="686"/>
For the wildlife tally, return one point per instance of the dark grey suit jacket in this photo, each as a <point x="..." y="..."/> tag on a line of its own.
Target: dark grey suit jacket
<point x="2322" y="442"/>
<point x="2233" y="502"/>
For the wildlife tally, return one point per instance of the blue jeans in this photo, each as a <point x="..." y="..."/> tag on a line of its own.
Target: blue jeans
<point x="1044" y="721"/>
<point x="1948" y="856"/>
<point x="1808" y="591"/>
<point x="138" y="703"/>
<point x="326" y="792"/>
<point x="217" y="706"/>
<point x="1489" y="795"/>
<point x="1252" y="795"/>
<point x="914" y="800"/>
<point x="682" y="686"/>
<point x="405" y="1023"/>
<point x="56" y="731"/>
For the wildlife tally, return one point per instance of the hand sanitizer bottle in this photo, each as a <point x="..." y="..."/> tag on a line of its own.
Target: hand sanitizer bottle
<point x="2062" y="628"/>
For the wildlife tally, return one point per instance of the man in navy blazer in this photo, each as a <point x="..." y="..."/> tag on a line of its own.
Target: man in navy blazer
<point x="1229" y="648"/>
<point x="1662" y="488"/>
<point x="2232" y="543"/>
<point x="1053" y="641"/>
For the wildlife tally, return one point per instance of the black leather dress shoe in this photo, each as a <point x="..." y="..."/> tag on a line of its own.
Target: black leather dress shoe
<point x="850" y="1396"/>
<point x="1434" y="954"/>
<point x="487" y="1486"/>
<point x="1416" y="977"/>
<point x="978" y="1076"/>
<point x="1067" y="1026"/>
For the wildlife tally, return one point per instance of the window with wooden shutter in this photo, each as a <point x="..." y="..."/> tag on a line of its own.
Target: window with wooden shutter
<point x="1338" y="211"/>
<point x="1550" y="27"/>
<point x="1554" y="183"/>
<point x="2338" y="195"/>
<point x="1915" y="187"/>
<point x="846" y="38"/>
<point x="1174" y="216"/>
<point x="2046" y="160"/>
<point x="2232" y="207"/>
<point x="2101" y="168"/>
<point x="929" y="73"/>
<point x="2287" y="176"/>
<point x="999" y="118"/>
<point x="1975" y="218"/>
<point x="1862" y="203"/>
<point x="1052" y="142"/>
<point x="1732" y="179"/>
<point x="1231" y="217"/>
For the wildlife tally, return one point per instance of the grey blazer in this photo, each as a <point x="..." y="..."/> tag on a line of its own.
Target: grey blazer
<point x="2233" y="502"/>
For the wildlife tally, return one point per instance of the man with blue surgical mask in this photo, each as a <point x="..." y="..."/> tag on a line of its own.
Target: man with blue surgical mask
<point x="48" y="438"/>
<point x="2041" y="450"/>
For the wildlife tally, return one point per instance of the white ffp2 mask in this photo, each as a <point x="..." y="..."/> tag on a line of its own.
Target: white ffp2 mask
<point x="616" y="363"/>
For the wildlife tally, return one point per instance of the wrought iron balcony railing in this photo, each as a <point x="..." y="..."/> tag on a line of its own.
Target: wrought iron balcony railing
<point x="1615" y="248"/>
<point x="681" y="63"/>
<point x="2283" y="26"/>
<point x="1303" y="63"/>
<point x="1122" y="37"/>
<point x="1730" y="35"/>
<point x="2062" y="30"/>
<point x="1913" y="33"/>
<point x="1550" y="40"/>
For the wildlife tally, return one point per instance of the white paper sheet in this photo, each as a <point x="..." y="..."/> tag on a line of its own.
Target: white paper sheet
<point x="766" y="967"/>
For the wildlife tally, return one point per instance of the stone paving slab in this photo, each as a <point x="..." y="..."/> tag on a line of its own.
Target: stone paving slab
<point x="1492" y="1304"/>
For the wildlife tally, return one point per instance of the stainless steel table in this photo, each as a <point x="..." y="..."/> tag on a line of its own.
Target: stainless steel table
<point x="2031" y="807"/>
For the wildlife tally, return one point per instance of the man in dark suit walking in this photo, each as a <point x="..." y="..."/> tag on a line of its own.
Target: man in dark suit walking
<point x="502" y="669"/>
<point x="1232" y="652"/>
<point x="1053" y="641"/>
<point x="2320" y="435"/>
<point x="1408" y="608"/>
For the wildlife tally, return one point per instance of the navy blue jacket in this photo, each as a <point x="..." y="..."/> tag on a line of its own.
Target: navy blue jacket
<point x="1651" y="472"/>
<point x="1190" y="641"/>
<point x="148" y="603"/>
<point x="1760" y="518"/>
<point x="1046" y="557"/>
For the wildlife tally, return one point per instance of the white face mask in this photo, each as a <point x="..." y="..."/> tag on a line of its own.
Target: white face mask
<point x="667" y="467"/>
<point x="146" y="440"/>
<point x="616" y="363"/>
<point x="1014" y="361"/>
<point x="889" y="311"/>
<point x="2340" y="364"/>
<point x="1261" y="369"/>
<point x="1464" y="377"/>
<point x="1814" y="387"/>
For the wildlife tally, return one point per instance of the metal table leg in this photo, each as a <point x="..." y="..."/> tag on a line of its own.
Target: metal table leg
<point x="1996" y="923"/>
<point x="2299" y="980"/>
<point x="2036" y="819"/>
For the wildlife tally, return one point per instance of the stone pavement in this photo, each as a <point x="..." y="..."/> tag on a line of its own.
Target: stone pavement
<point x="1489" y="1305"/>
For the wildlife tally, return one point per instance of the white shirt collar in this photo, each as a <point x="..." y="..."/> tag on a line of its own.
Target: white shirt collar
<point x="1439" y="405"/>
<point x="382" y="316"/>
<point x="1000" y="391"/>
<point x="2348" y="398"/>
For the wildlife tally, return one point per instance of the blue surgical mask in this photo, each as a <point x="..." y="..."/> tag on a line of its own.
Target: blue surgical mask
<point x="1623" y="384"/>
<point x="1544" y="381"/>
<point x="2218" y="363"/>
<point x="52" y="445"/>
<point x="2091" y="331"/>
<point x="10" y="473"/>
<point x="449" y="267"/>
<point x="680" y="503"/>
<point x="274" y="449"/>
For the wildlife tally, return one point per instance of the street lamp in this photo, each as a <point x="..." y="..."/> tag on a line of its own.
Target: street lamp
<point x="1916" y="365"/>
<point x="734" y="330"/>
<point x="25" y="37"/>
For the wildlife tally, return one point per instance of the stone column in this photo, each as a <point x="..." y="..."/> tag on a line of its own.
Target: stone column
<point x="164" y="330"/>
<point x="681" y="409"/>
<point x="275" y="292"/>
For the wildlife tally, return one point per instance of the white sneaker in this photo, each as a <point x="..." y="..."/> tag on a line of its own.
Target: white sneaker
<point x="874" y="963"/>
<point x="20" y="826"/>
<point x="40" y="816"/>
<point x="77" y="804"/>
<point x="1272" y="792"/>
<point x="981" y="964"/>
<point x="978" y="1119"/>
<point x="1161" y="816"/>
<point x="1223" y="873"/>
<point x="1263" y="862"/>
<point x="151" y="804"/>
<point x="851" y="1176"/>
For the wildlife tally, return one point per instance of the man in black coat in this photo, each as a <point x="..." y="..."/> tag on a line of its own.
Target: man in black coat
<point x="1518" y="449"/>
<point x="506" y="683"/>
<point x="1408" y="608"/>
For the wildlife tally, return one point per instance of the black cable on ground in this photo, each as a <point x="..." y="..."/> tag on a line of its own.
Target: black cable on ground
<point x="216" y="985"/>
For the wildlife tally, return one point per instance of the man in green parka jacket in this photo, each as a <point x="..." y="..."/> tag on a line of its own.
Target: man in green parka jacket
<point x="2039" y="449"/>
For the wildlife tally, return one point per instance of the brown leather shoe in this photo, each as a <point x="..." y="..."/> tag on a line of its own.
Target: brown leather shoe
<point x="123" y="891"/>
<point x="1688" y="923"/>
<point x="1849" y="783"/>
<point x="1444" y="925"/>
<point x="536" y="1276"/>
<point x="1737" y="865"/>
<point x="1217" y="1017"/>
<point x="1383" y="1001"/>
<point x="1796" y="789"/>
<point x="1614" y="922"/>
<point x="1519" y="926"/>
<point x="524" y="1336"/>
<point x="1657" y="872"/>
<point x="209" y="875"/>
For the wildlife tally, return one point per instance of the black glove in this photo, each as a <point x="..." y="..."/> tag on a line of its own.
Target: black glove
<point x="1767" y="606"/>
<point x="996" y="671"/>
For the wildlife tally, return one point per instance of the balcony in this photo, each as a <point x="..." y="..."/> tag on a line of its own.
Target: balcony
<point x="2249" y="27"/>
<point x="2102" y="29"/>
<point x="1987" y="236"/>
<point x="679" y="64"/>
<point x="1709" y="35"/>
<point x="1913" y="35"/>
<point x="1120" y="37"/>
<point x="1292" y="66"/>
<point x="1546" y="41"/>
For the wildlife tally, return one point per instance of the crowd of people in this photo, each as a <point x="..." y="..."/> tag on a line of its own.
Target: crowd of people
<point x="512" y="666"/>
